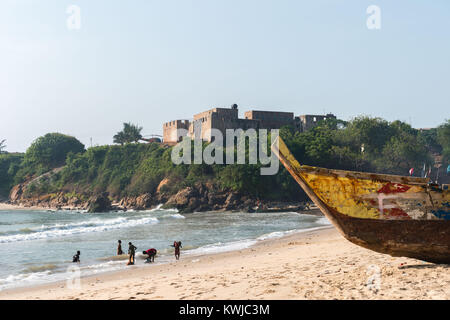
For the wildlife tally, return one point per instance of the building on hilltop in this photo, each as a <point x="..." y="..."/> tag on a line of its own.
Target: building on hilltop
<point x="271" y="119"/>
<point x="220" y="119"/>
<point x="228" y="118"/>
<point x="307" y="122"/>
<point x="170" y="130"/>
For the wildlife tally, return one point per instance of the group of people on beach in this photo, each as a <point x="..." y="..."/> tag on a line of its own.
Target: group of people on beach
<point x="150" y="253"/>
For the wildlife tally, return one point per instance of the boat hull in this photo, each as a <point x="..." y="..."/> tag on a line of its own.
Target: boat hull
<point x="426" y="240"/>
<point x="395" y="215"/>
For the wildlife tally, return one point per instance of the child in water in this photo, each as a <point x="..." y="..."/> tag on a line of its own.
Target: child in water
<point x="76" y="258"/>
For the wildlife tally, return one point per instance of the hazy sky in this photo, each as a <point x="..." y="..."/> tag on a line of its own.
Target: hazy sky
<point x="149" y="62"/>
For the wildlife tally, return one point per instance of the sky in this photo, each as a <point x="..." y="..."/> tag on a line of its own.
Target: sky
<point x="152" y="61"/>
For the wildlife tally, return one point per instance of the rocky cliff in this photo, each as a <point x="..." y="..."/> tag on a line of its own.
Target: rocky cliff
<point x="201" y="197"/>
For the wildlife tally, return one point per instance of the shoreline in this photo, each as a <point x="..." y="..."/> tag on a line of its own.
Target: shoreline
<point x="311" y="210"/>
<point x="318" y="264"/>
<point x="7" y="206"/>
<point x="167" y="258"/>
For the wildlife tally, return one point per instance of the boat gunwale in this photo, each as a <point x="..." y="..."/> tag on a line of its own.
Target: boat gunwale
<point x="381" y="177"/>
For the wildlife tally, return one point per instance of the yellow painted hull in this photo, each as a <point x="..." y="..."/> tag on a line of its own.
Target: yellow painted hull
<point x="401" y="216"/>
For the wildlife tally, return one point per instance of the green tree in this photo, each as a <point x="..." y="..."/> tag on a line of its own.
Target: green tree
<point x="403" y="152"/>
<point x="50" y="151"/>
<point x="372" y="133"/>
<point x="9" y="164"/>
<point x="430" y="139"/>
<point x="443" y="137"/>
<point x="130" y="133"/>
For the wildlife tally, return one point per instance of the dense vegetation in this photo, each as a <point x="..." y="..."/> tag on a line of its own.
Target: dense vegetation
<point x="443" y="139"/>
<point x="366" y="144"/>
<point x="45" y="153"/>
<point x="9" y="165"/>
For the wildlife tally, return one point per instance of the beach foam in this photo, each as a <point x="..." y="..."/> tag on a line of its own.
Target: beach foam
<point x="61" y="230"/>
<point x="175" y="216"/>
<point x="48" y="275"/>
<point x="223" y="247"/>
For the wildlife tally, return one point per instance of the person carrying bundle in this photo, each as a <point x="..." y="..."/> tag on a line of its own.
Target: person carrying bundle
<point x="177" y="246"/>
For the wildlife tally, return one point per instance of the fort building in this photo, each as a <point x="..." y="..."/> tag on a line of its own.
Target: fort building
<point x="220" y="119"/>
<point x="271" y="119"/>
<point x="307" y="122"/>
<point x="170" y="130"/>
<point x="228" y="118"/>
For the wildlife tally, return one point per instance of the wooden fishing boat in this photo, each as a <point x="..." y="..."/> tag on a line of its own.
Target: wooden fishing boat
<point x="391" y="214"/>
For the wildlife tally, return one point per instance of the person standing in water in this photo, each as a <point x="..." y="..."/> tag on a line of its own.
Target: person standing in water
<point x="119" y="248"/>
<point x="76" y="258"/>
<point x="131" y="252"/>
<point x="177" y="246"/>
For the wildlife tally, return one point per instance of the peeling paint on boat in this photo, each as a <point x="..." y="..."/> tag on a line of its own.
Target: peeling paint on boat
<point x="397" y="215"/>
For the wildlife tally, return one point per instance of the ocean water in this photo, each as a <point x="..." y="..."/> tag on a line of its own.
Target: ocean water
<point x="37" y="246"/>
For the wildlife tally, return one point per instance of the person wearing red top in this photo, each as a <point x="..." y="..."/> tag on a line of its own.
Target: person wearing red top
<point x="151" y="254"/>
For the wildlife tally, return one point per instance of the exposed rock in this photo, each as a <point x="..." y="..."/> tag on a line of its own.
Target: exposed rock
<point x="16" y="193"/>
<point x="231" y="202"/>
<point x="201" y="197"/>
<point x="181" y="199"/>
<point x="216" y="199"/>
<point x="143" y="202"/>
<point x="99" y="203"/>
<point x="162" y="184"/>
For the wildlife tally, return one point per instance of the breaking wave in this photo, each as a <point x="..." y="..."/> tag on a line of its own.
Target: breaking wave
<point x="61" y="230"/>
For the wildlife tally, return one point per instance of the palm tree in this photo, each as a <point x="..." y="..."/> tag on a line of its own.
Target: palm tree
<point x="130" y="133"/>
<point x="119" y="138"/>
<point x="2" y="146"/>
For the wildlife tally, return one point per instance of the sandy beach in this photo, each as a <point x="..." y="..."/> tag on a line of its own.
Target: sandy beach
<point x="7" y="206"/>
<point x="317" y="264"/>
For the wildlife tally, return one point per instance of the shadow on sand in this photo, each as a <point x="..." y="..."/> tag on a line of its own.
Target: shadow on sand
<point x="424" y="266"/>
